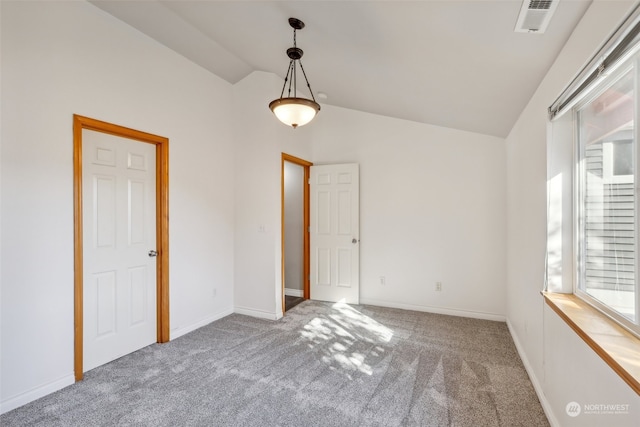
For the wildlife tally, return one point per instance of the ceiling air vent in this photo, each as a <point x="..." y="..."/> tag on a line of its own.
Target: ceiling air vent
<point x="535" y="15"/>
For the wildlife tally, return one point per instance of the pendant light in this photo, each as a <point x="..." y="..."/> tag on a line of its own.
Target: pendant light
<point x="292" y="110"/>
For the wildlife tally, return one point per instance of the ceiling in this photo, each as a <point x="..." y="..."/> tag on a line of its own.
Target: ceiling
<point x="451" y="63"/>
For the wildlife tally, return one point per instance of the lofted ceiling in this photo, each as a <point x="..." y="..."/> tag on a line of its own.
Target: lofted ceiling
<point x="451" y="63"/>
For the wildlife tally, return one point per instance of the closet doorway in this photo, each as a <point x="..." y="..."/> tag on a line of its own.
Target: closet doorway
<point x="295" y="231"/>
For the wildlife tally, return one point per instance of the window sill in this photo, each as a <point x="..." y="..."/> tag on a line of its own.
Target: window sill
<point x="618" y="347"/>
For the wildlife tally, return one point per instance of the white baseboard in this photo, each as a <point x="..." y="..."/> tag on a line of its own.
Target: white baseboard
<point x="36" y="393"/>
<point x="269" y="315"/>
<point x="293" y="292"/>
<point x="185" y="330"/>
<point x="546" y="407"/>
<point x="437" y="310"/>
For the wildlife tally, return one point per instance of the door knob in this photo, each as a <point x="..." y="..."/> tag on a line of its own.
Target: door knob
<point x="354" y="241"/>
<point x="153" y="253"/>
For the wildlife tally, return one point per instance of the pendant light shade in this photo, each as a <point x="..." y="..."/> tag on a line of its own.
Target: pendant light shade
<point x="292" y="110"/>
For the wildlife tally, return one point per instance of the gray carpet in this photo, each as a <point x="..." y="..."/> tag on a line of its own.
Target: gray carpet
<point x="321" y="365"/>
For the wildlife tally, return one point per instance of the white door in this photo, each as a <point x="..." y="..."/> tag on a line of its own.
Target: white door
<point x="335" y="247"/>
<point x="119" y="223"/>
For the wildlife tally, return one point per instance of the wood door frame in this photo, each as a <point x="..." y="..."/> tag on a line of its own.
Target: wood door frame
<point x="306" y="165"/>
<point x="162" y="227"/>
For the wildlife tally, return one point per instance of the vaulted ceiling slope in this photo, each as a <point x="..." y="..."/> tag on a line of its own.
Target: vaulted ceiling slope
<point x="451" y="63"/>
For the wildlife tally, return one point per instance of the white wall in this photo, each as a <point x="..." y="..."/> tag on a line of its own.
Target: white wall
<point x="432" y="206"/>
<point x="294" y="227"/>
<point x="561" y="366"/>
<point x="61" y="58"/>
<point x="259" y="147"/>
<point x="432" y="209"/>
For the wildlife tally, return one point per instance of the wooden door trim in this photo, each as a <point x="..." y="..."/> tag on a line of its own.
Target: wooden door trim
<point x="162" y="227"/>
<point x="306" y="266"/>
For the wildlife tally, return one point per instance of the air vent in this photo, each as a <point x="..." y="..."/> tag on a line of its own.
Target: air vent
<point x="535" y="15"/>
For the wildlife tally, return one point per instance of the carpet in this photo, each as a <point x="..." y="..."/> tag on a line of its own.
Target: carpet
<point x="323" y="364"/>
<point x="291" y="301"/>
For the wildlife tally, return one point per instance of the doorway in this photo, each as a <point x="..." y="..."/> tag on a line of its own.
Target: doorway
<point x="101" y="223"/>
<point x="295" y="231"/>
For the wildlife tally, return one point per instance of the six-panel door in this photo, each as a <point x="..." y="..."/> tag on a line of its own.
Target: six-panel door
<point x="335" y="244"/>
<point x="119" y="292"/>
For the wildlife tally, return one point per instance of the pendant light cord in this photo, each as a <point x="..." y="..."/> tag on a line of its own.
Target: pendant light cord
<point x="292" y="71"/>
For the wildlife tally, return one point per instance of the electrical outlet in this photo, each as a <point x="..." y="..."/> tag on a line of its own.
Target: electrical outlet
<point x="438" y="286"/>
<point x="383" y="281"/>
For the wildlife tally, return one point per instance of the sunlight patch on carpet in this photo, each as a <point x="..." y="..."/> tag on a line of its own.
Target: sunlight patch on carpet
<point x="336" y="334"/>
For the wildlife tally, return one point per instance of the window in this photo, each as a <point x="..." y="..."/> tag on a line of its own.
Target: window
<point x="606" y="211"/>
<point x="593" y="196"/>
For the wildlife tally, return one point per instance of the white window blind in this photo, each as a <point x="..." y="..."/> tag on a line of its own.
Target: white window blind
<point x="612" y="52"/>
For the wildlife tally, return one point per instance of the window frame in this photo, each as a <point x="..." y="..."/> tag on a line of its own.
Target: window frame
<point x="631" y="62"/>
